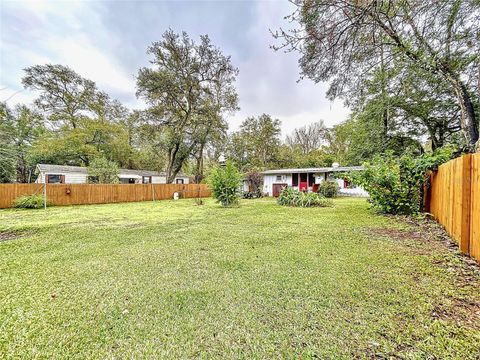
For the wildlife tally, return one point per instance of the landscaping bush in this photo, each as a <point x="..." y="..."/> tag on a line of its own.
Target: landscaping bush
<point x="328" y="189"/>
<point x="253" y="194"/>
<point x="225" y="182"/>
<point x="103" y="171"/>
<point x="292" y="197"/>
<point x="34" y="201"/>
<point x="396" y="184"/>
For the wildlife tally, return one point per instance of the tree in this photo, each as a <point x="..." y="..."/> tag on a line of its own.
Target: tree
<point x="7" y="150"/>
<point x="19" y="128"/>
<point x="64" y="95"/>
<point x="257" y="142"/>
<point x="189" y="88"/>
<point x="85" y="122"/>
<point x="308" y="138"/>
<point x="344" y="41"/>
<point x="103" y="171"/>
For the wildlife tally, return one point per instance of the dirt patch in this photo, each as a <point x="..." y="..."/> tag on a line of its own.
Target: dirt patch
<point x="6" y="235"/>
<point x="10" y="235"/>
<point x="462" y="311"/>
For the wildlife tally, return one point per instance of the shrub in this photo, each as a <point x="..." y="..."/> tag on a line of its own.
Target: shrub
<point x="328" y="189"/>
<point x="103" y="171"/>
<point x="225" y="183"/>
<point x="34" y="201"/>
<point x="292" y="197"/>
<point x="253" y="194"/>
<point x="396" y="184"/>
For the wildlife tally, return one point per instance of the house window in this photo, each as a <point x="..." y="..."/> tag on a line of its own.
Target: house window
<point x="295" y="179"/>
<point x="146" y="179"/>
<point x="279" y="177"/>
<point x="93" y="179"/>
<point x="179" y="181"/>
<point x="55" y="179"/>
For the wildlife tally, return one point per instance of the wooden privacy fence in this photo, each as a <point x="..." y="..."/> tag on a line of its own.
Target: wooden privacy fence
<point x="78" y="194"/>
<point x="454" y="201"/>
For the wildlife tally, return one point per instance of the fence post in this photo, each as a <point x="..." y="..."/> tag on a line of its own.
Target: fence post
<point x="466" y="177"/>
<point x="153" y="191"/>
<point x="45" y="195"/>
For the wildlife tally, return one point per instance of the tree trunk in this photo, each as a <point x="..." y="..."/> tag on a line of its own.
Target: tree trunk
<point x="468" y="120"/>
<point x="172" y="155"/>
<point x="199" y="167"/>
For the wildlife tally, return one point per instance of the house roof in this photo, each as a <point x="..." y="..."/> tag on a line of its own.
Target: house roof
<point x="49" y="168"/>
<point x="313" y="170"/>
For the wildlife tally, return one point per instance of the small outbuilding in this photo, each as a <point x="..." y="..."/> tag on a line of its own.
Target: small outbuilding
<point x="64" y="174"/>
<point x="308" y="179"/>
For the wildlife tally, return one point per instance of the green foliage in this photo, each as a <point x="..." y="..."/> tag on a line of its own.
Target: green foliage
<point x="291" y="197"/>
<point x="328" y="189"/>
<point x="104" y="171"/>
<point x="253" y="194"/>
<point x="34" y="201"/>
<point x="395" y="184"/>
<point x="225" y="182"/>
<point x="257" y="142"/>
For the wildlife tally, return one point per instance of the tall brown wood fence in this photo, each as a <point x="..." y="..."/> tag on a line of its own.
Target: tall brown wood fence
<point x="454" y="201"/>
<point x="77" y="194"/>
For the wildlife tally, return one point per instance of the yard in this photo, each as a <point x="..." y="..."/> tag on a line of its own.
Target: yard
<point x="174" y="280"/>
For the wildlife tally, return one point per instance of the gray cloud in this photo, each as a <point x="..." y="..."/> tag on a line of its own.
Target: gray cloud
<point x="107" y="42"/>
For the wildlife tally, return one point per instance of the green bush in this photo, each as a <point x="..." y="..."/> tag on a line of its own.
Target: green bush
<point x="103" y="171"/>
<point x="34" y="201"/>
<point x="225" y="183"/>
<point x="292" y="197"/>
<point x="253" y="194"/>
<point x="328" y="189"/>
<point x="396" y="184"/>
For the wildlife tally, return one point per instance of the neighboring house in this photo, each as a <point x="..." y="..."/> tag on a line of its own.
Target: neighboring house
<point x="63" y="174"/>
<point x="309" y="179"/>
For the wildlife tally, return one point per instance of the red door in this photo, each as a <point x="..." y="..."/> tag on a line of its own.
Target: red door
<point x="277" y="188"/>
<point x="303" y="185"/>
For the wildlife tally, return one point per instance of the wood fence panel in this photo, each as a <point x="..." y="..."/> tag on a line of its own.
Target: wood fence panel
<point x="475" y="213"/>
<point x="78" y="194"/>
<point x="455" y="201"/>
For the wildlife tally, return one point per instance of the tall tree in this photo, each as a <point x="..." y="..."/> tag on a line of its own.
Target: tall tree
<point x="20" y="127"/>
<point x="64" y="95"/>
<point x="188" y="83"/>
<point x="257" y="142"/>
<point x="85" y="122"/>
<point x="341" y="41"/>
<point x="309" y="137"/>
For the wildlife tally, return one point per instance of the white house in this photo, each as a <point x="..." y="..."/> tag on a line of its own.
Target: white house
<point x="308" y="179"/>
<point x="63" y="174"/>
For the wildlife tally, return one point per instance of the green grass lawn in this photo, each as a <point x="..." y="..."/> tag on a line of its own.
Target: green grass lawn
<point x="174" y="280"/>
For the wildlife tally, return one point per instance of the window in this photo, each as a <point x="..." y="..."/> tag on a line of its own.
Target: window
<point x="279" y="177"/>
<point x="55" y="179"/>
<point x="295" y="179"/>
<point x="93" y="179"/>
<point x="180" y="181"/>
<point x="127" y="181"/>
<point x="146" y="179"/>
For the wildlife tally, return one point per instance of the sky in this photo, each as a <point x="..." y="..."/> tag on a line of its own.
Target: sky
<point x="106" y="41"/>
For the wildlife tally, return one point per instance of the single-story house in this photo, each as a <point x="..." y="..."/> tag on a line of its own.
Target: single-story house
<point x="63" y="174"/>
<point x="308" y="179"/>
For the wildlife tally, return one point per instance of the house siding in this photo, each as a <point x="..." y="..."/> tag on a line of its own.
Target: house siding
<point x="70" y="178"/>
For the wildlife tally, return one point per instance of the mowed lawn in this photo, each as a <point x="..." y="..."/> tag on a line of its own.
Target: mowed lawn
<point x="175" y="280"/>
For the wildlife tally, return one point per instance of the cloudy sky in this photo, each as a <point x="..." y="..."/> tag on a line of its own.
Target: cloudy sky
<point x="106" y="42"/>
